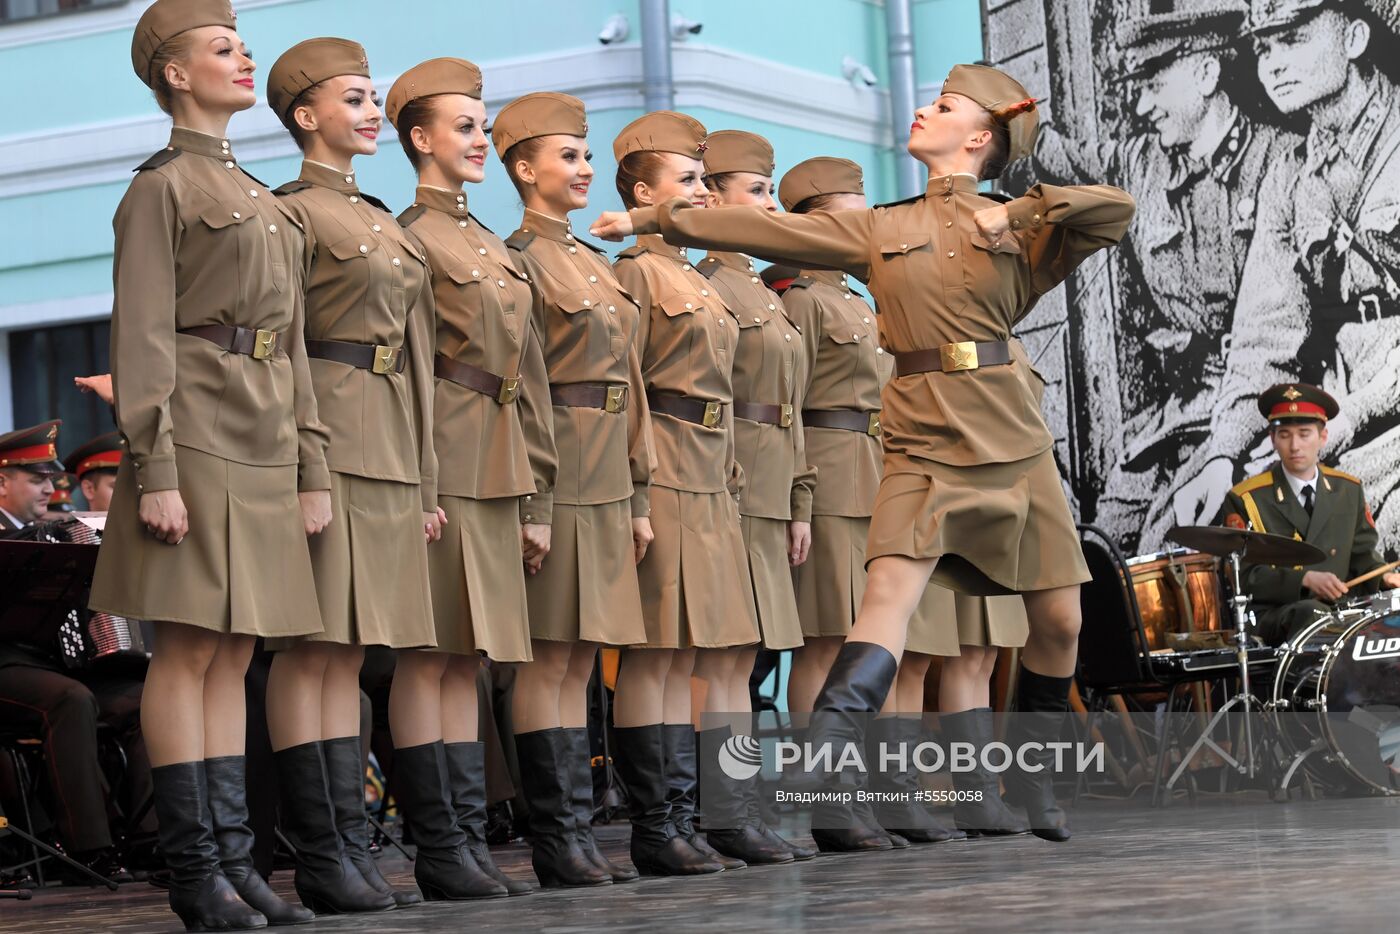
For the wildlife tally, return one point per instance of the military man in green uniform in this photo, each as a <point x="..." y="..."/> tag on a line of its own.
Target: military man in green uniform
<point x="1302" y="499"/>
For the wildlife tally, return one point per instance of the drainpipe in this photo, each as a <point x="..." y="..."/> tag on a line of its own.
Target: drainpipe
<point x="658" y="90"/>
<point x="899" y="29"/>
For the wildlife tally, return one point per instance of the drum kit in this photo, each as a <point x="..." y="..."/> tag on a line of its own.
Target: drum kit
<point x="1332" y="711"/>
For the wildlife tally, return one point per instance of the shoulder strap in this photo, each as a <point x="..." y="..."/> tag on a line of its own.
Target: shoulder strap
<point x="411" y="214"/>
<point x="296" y="184"/>
<point x="708" y="267"/>
<point x="480" y="224"/>
<point x="376" y="202"/>
<point x="890" y="204"/>
<point x="520" y="240"/>
<point x="592" y="246"/>
<point x="632" y="252"/>
<point x="1334" y="472"/>
<point x="158" y="159"/>
<point x="1256" y="482"/>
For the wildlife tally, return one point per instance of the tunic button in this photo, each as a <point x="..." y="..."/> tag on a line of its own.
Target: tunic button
<point x="948" y="224"/>
<point x="846" y="296"/>
<point x="587" y="302"/>
<point x="272" y="228"/>
<point x="856" y="336"/>
<point x="904" y="246"/>
<point x="753" y="278"/>
<point x="481" y="250"/>
<point x="476" y="273"/>
<point x="951" y="254"/>
<point x="1035" y="218"/>
<point x="237" y="216"/>
<point x="612" y="308"/>
<point x="879" y="350"/>
<point x="689" y="305"/>
<point x="705" y="293"/>
<point x="396" y="261"/>
<point x="866" y="320"/>
<point x="592" y="278"/>
<point x="772" y="307"/>
<point x="757" y="319"/>
<point x="349" y="179"/>
<point x="946" y="200"/>
<point x="363" y="248"/>
<point x="721" y="322"/>
<point x="375" y="228"/>
<point x="568" y="236"/>
<point x="354" y="200"/>
<point x="461" y="223"/>
<point x="253" y="192"/>
<point x="686" y="266"/>
<point x="787" y="337"/>
<point x="573" y="249"/>
<point x="228" y="165"/>
<point x="501" y="283"/>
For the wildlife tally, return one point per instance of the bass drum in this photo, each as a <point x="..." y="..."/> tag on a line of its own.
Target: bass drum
<point x="1336" y="697"/>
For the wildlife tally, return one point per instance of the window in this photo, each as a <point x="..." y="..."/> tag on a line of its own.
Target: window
<point x="43" y="363"/>
<point x="13" y="11"/>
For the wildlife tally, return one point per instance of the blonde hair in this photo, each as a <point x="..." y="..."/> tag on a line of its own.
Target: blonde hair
<point x="175" y="49"/>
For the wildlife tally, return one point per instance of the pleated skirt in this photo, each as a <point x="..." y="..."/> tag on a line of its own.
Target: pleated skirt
<point x="831" y="582"/>
<point x="766" y="552"/>
<point x="478" y="580"/>
<point x="587" y="590"/>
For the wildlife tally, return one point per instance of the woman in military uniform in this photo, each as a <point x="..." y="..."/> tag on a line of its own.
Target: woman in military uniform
<point x="224" y="473"/>
<point x="586" y="591"/>
<point x="970" y="492"/>
<point x="695" y="586"/>
<point x="368" y="336"/>
<point x="492" y="425"/>
<point x="769" y="370"/>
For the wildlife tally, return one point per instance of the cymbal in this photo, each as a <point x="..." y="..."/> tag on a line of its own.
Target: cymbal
<point x="1254" y="547"/>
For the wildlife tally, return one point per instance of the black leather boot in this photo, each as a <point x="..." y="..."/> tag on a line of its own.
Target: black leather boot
<point x="754" y="810"/>
<point x="326" y="881"/>
<point x="345" y="772"/>
<point x="226" y="777"/>
<point x="982" y="812"/>
<point x="200" y="895"/>
<point x="466" y="770"/>
<point x="547" y="784"/>
<point x="727" y="826"/>
<point x="683" y="790"/>
<point x="657" y="847"/>
<point x="901" y="811"/>
<point x="443" y="867"/>
<point x="1042" y="705"/>
<point x="581" y="784"/>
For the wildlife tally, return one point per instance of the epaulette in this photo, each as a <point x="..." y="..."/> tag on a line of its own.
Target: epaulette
<point x="1334" y="472"/>
<point x="893" y="204"/>
<point x="632" y="251"/>
<point x="1257" y="482"/>
<point x="520" y="240"/>
<point x="294" y="185"/>
<point x="592" y="246"/>
<point x="411" y="214"/>
<point x="801" y="282"/>
<point x="158" y="159"/>
<point x="376" y="202"/>
<point x="480" y="224"/>
<point x="708" y="267"/>
<point x="1000" y="197"/>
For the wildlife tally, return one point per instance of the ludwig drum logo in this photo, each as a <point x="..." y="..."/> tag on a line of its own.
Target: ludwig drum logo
<point x="1367" y="650"/>
<point x="741" y="757"/>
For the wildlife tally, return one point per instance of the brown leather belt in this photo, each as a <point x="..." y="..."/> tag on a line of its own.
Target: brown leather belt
<point x="375" y="357"/>
<point x="610" y="397"/>
<point x="867" y="423"/>
<point x="780" y="415"/>
<point x="504" y="389"/>
<point x="259" y="344"/>
<point x="698" y="411"/>
<point x="951" y="358"/>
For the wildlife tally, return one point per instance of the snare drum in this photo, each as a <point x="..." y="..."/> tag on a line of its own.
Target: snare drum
<point x="1337" y="694"/>
<point x="1177" y="592"/>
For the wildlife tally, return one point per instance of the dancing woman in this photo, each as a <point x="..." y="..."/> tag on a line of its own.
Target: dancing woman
<point x="970" y="492"/>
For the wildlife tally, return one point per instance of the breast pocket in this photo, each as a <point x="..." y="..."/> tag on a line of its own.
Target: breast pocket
<point x="914" y="265"/>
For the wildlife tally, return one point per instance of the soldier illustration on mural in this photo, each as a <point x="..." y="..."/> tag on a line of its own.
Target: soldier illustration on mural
<point x="1262" y="142"/>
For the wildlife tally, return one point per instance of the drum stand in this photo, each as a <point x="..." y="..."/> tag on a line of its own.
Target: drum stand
<point x="1246" y="764"/>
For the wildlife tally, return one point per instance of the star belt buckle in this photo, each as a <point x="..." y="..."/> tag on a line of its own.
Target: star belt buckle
<point x="616" y="400"/>
<point x="386" y="359"/>
<point x="510" y="389"/>
<point x="959" y="356"/>
<point x="784" y="415"/>
<point x="264" y="344"/>
<point x="713" y="410"/>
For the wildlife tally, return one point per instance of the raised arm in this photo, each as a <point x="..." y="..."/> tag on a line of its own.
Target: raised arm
<point x="1060" y="226"/>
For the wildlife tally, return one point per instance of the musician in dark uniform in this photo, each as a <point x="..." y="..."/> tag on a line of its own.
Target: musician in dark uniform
<point x="95" y="466"/>
<point x="39" y="693"/>
<point x="1300" y="498"/>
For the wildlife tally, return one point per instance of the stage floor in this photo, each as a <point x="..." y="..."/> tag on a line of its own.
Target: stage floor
<point x="1237" y="863"/>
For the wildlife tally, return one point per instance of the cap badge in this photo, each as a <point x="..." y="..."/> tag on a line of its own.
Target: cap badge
<point x="1292" y="406"/>
<point x="702" y="145"/>
<point x="53" y="432"/>
<point x="1292" y="393"/>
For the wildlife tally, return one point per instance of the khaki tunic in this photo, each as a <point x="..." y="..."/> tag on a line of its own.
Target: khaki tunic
<point x="770" y="368"/>
<point x="486" y="450"/>
<point x="200" y="242"/>
<point x="696" y="589"/>
<point x="367" y="283"/>
<point x="587" y="587"/>
<point x="969" y="477"/>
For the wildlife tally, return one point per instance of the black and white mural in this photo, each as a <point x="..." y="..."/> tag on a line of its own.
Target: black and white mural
<point x="1262" y="141"/>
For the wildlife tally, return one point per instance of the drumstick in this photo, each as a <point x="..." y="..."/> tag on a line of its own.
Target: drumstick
<point x="1384" y="568"/>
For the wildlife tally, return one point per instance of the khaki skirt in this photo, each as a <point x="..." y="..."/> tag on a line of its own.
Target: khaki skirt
<point x="371" y="566"/>
<point x="995" y="528"/>
<point x="945" y="620"/>
<point x="586" y="589"/>
<point x="478" y="580"/>
<point x="243" y="567"/>
<point x="766" y="551"/>
<point x="831" y="582"/>
<point x="694" y="580"/>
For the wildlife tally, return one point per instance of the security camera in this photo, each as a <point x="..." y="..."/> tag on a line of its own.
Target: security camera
<point x="682" y="28"/>
<point x="616" y="29"/>
<point x="858" y="73"/>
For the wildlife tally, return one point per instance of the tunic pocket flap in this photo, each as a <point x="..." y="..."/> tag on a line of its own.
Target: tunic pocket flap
<point x="572" y="303"/>
<point x="510" y="268"/>
<point x="749" y="321"/>
<point x="1007" y="244"/>
<point x="225" y="215"/>
<point x="353" y="246"/>
<point x="906" y="243"/>
<point x="466" y="272"/>
<point x="681" y="304"/>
